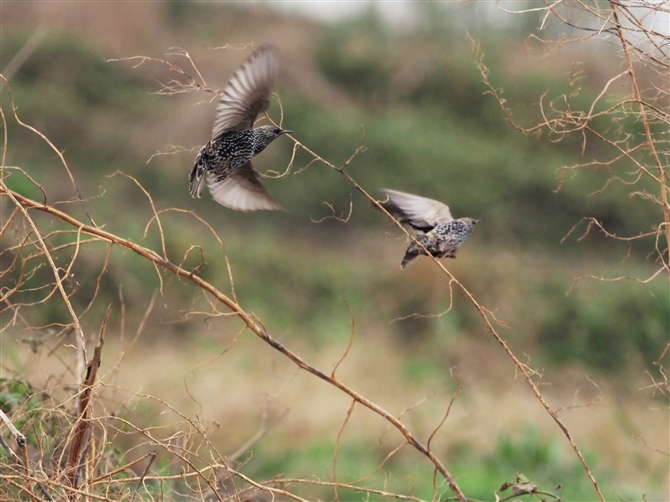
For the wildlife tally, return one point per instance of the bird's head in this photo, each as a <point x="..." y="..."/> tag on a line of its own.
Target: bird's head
<point x="470" y="222"/>
<point x="271" y="132"/>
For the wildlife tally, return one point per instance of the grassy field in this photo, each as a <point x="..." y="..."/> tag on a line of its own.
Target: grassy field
<point x="586" y="314"/>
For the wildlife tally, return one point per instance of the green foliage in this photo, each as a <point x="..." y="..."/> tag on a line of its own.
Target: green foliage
<point x="354" y="56"/>
<point x="355" y="460"/>
<point x="18" y="400"/>
<point x="543" y="461"/>
<point x="80" y="102"/>
<point x="70" y="68"/>
<point x="16" y="393"/>
<point x="608" y="326"/>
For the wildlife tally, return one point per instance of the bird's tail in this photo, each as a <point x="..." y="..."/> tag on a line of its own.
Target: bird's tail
<point x="198" y="177"/>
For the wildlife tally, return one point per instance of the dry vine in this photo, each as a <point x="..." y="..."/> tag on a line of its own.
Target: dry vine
<point x="646" y="60"/>
<point x="86" y="469"/>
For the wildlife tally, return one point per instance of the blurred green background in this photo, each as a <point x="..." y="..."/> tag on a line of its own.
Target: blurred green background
<point x="412" y="90"/>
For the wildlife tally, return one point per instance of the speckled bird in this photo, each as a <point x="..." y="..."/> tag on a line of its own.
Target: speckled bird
<point x="225" y="162"/>
<point x="441" y="235"/>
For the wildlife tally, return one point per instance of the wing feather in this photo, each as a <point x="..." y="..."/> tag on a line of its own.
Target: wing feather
<point x="241" y="190"/>
<point x="248" y="92"/>
<point x="419" y="212"/>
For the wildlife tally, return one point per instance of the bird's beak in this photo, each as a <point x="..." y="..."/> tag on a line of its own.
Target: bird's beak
<point x="478" y="221"/>
<point x="286" y="131"/>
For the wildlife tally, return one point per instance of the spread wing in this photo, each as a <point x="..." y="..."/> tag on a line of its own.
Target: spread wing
<point x="241" y="190"/>
<point x="248" y="92"/>
<point x="420" y="212"/>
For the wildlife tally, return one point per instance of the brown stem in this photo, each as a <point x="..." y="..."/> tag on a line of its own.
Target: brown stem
<point x="83" y="425"/>
<point x="647" y="129"/>
<point x="154" y="257"/>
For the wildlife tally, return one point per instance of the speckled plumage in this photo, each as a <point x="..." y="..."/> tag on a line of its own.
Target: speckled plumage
<point x="441" y="242"/>
<point x="225" y="162"/>
<point x="443" y="235"/>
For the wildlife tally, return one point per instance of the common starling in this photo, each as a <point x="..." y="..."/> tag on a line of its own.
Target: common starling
<point x="225" y="162"/>
<point x="441" y="234"/>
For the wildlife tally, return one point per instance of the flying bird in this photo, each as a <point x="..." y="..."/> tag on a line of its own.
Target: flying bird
<point x="225" y="162"/>
<point x="441" y="234"/>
